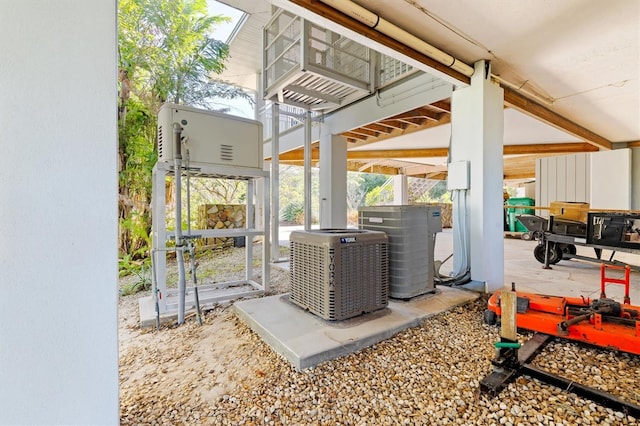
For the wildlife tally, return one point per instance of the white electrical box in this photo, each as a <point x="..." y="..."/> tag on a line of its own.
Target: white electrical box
<point x="210" y="137"/>
<point x="458" y="175"/>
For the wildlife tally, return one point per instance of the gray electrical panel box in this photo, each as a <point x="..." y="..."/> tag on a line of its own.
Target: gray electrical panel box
<point x="411" y="231"/>
<point x="212" y="138"/>
<point x="339" y="273"/>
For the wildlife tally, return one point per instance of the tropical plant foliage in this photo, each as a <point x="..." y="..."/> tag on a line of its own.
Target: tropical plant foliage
<point x="166" y="54"/>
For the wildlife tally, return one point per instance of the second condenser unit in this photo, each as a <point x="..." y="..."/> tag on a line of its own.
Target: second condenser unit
<point x="339" y="273"/>
<point x="411" y="230"/>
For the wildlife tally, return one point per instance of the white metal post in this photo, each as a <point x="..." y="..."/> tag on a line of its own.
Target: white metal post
<point x="400" y="189"/>
<point x="307" y="171"/>
<point x="275" y="180"/>
<point x="250" y="223"/>
<point x="159" y="232"/>
<point x="266" y="265"/>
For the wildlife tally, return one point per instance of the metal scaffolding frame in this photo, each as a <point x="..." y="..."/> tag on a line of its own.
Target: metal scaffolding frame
<point x="166" y="299"/>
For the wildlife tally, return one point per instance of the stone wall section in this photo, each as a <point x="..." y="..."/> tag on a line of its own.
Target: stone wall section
<point x="220" y="216"/>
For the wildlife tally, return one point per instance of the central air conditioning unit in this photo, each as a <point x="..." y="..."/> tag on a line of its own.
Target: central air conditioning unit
<point x="339" y="274"/>
<point x="411" y="231"/>
<point x="211" y="138"/>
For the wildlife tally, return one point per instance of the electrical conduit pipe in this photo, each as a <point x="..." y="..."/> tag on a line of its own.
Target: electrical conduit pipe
<point x="177" y="166"/>
<point x="374" y="21"/>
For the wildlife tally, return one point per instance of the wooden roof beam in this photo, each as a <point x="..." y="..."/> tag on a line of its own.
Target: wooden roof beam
<point x="397" y="153"/>
<point x="534" y="109"/>
<point x="549" y="148"/>
<point x="530" y="149"/>
<point x="524" y="175"/>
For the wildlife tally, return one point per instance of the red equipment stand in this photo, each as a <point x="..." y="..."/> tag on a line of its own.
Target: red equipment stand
<point x="625" y="281"/>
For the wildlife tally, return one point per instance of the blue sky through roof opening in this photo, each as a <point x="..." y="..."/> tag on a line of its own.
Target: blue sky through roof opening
<point x="225" y="30"/>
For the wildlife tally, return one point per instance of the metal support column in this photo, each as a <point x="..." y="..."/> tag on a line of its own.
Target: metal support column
<point x="266" y="264"/>
<point x="275" y="181"/>
<point x="159" y="235"/>
<point x="248" y="242"/>
<point x="307" y="171"/>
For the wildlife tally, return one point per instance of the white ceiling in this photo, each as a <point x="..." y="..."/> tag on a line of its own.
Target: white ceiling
<point x="583" y="55"/>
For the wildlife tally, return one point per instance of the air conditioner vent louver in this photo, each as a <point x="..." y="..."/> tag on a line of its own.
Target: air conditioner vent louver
<point x="339" y="274"/>
<point x="160" y="141"/>
<point x="226" y="152"/>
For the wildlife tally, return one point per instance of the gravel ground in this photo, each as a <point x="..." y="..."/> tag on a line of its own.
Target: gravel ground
<point x="222" y="373"/>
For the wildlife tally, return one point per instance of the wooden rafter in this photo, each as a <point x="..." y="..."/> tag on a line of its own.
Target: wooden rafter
<point x="356" y="166"/>
<point x="534" y="109"/>
<point x="378" y="127"/>
<point x="427" y="113"/>
<point x="365" y="132"/>
<point x="393" y="124"/>
<point x="412" y="121"/>
<point x="443" y="106"/>
<point x="446" y="118"/>
<point x="353" y="135"/>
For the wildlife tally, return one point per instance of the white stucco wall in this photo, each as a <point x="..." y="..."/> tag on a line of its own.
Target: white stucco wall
<point x="58" y="208"/>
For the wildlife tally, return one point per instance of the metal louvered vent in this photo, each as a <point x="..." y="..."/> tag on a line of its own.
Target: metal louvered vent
<point x="339" y="274"/>
<point x="160" y="141"/>
<point x="226" y="152"/>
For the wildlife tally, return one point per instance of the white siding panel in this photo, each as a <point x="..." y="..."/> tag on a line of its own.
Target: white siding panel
<point x="570" y="177"/>
<point x="562" y="178"/>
